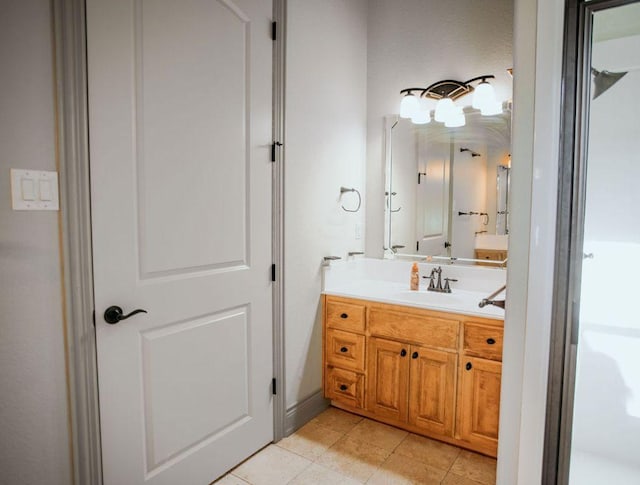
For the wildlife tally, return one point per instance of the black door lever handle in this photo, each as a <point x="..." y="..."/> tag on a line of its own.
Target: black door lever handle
<point x="114" y="314"/>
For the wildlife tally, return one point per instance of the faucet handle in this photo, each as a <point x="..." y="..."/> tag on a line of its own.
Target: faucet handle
<point x="432" y="283"/>
<point x="447" y="288"/>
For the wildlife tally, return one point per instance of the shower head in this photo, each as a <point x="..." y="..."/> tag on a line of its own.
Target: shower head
<point x="603" y="80"/>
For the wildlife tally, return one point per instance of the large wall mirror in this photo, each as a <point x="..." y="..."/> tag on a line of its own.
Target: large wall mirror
<point x="447" y="189"/>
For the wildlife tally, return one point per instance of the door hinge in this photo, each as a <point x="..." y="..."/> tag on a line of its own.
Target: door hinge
<point x="418" y="246"/>
<point x="274" y="145"/>
<point x="274" y="30"/>
<point x="94" y="318"/>
<point x="273" y="386"/>
<point x="273" y="272"/>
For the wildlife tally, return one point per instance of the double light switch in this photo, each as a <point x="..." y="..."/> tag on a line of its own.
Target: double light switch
<point x="34" y="190"/>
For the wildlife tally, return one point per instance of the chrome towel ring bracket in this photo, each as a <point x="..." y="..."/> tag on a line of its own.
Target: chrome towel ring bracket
<point x="345" y="189"/>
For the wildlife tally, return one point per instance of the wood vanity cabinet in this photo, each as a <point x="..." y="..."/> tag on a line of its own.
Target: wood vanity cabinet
<point x="479" y="390"/>
<point x="432" y="373"/>
<point x="491" y="255"/>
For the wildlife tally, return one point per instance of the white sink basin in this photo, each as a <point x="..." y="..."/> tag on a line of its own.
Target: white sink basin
<point x="428" y="298"/>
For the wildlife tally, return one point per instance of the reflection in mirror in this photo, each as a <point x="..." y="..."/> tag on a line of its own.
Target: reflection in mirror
<point x="447" y="189"/>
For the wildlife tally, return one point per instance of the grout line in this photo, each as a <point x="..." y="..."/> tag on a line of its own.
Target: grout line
<point x="302" y="471"/>
<point x="239" y="478"/>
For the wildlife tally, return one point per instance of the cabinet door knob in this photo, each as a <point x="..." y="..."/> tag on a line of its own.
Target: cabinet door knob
<point x="468" y="366"/>
<point x="403" y="352"/>
<point x="414" y="355"/>
<point x="343" y="349"/>
<point x="343" y="387"/>
<point x="344" y="315"/>
<point x="491" y="341"/>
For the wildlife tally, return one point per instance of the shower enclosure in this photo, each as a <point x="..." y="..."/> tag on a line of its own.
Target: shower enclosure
<point x="593" y="418"/>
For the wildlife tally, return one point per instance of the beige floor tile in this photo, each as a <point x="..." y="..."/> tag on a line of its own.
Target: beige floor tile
<point x="319" y="475"/>
<point x="310" y="441"/>
<point x="353" y="459"/>
<point x="453" y="479"/>
<point x="229" y="479"/>
<point x="271" y="466"/>
<point x="377" y="434"/>
<point x="430" y="452"/>
<point x="337" y="420"/>
<point x="475" y="467"/>
<point x="401" y="470"/>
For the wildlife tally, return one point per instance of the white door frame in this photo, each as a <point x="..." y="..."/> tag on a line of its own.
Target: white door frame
<point x="69" y="29"/>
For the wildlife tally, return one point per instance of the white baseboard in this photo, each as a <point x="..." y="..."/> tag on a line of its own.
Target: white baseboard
<point x="304" y="411"/>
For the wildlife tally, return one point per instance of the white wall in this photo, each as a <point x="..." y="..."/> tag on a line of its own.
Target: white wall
<point x="34" y="443"/>
<point x="324" y="149"/>
<point x="415" y="43"/>
<point x="469" y="195"/>
<point x="538" y="39"/>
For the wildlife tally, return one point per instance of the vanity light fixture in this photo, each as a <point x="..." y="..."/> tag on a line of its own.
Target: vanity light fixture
<point x="414" y="106"/>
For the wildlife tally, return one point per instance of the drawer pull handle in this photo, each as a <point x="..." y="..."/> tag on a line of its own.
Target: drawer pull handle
<point x="468" y="366"/>
<point x="491" y="341"/>
<point x="403" y="352"/>
<point x="414" y="355"/>
<point x="344" y="349"/>
<point x="343" y="387"/>
<point x="344" y="315"/>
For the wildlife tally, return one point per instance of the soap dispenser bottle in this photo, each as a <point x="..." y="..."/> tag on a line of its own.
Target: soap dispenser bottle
<point x="415" y="277"/>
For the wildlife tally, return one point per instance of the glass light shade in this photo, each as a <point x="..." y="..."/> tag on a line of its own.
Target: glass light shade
<point x="483" y="96"/>
<point x="408" y="106"/>
<point x="444" y="106"/>
<point x="421" y="116"/>
<point x="492" y="109"/>
<point x="455" y="119"/>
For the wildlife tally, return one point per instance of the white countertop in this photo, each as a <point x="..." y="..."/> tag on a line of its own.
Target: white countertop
<point x="377" y="284"/>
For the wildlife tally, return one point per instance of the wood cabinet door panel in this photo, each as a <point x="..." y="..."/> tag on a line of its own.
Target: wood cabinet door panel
<point x="432" y="390"/>
<point x="388" y="378"/>
<point x="479" y="408"/>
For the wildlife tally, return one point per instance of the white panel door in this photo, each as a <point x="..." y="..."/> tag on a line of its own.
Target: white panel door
<point x="180" y="128"/>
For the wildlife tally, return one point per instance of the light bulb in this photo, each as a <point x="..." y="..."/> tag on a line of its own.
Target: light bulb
<point x="421" y="116"/>
<point x="483" y="96"/>
<point x="455" y="119"/>
<point x="443" y="107"/>
<point x="492" y="109"/>
<point x="408" y="106"/>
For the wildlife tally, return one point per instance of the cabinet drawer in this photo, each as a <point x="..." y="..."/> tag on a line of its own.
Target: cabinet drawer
<point x="422" y="329"/>
<point x="345" y="349"/>
<point x="483" y="341"/>
<point x="345" y="316"/>
<point x="345" y="386"/>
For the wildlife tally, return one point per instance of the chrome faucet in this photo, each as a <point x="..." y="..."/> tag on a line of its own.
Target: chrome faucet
<point x="437" y="286"/>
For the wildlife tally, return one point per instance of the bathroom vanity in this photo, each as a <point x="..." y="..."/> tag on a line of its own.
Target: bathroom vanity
<point x="432" y="372"/>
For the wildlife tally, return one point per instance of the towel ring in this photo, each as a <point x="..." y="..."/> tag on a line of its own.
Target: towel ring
<point x="345" y="189"/>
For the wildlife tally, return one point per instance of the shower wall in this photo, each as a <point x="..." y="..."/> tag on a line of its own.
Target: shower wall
<point x="606" y="426"/>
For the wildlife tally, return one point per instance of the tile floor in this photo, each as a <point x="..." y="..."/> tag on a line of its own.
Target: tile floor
<point x="341" y="448"/>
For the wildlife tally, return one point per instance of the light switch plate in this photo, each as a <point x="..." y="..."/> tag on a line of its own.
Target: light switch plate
<point x="34" y="190"/>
